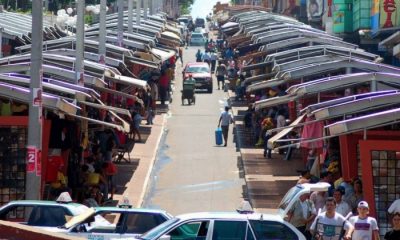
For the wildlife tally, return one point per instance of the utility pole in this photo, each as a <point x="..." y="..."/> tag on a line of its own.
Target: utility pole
<point x="1" y="42"/>
<point x="151" y="7"/>
<point x="130" y="16"/>
<point x="102" y="33"/>
<point x="34" y="147"/>
<point x="80" y="41"/>
<point x="145" y="7"/>
<point x="120" y="22"/>
<point x="138" y="5"/>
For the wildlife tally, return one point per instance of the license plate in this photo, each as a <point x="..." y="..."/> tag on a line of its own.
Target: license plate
<point x="198" y="84"/>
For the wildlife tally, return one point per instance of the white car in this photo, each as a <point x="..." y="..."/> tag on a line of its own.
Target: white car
<point x="40" y="213"/>
<point x="197" y="39"/>
<point x="211" y="226"/>
<point x="108" y="223"/>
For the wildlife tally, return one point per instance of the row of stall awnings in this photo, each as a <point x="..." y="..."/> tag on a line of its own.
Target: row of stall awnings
<point x="63" y="90"/>
<point x="355" y="113"/>
<point x="304" y="71"/>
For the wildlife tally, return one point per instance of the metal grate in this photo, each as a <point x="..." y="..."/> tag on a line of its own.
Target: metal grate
<point x="386" y="183"/>
<point x="12" y="163"/>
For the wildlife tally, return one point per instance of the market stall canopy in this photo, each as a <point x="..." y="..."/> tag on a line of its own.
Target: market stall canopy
<point x="378" y="81"/>
<point x="318" y="50"/>
<point x="284" y="44"/>
<point x="312" y="70"/>
<point x="291" y="34"/>
<point x="365" y="122"/>
<point x="165" y="54"/>
<point x="230" y="24"/>
<point x="358" y="105"/>
<point x="278" y="136"/>
<point x="129" y="81"/>
<point x="17" y="26"/>
<point x="22" y="94"/>
<point x="171" y="35"/>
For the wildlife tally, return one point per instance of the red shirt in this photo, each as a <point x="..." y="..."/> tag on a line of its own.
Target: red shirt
<point x="164" y="81"/>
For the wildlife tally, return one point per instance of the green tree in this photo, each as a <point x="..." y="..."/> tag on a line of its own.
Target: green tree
<point x="185" y="6"/>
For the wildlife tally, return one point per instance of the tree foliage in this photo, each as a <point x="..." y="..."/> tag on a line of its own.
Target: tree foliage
<point x="185" y="6"/>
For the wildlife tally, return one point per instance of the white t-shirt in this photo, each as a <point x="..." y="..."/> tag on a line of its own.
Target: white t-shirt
<point x="343" y="208"/>
<point x="226" y="118"/>
<point x="330" y="228"/>
<point x="363" y="227"/>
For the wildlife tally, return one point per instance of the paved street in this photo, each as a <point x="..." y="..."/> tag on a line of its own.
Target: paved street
<point x="191" y="173"/>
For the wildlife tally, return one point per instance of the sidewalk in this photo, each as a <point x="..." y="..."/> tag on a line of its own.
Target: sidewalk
<point x="132" y="177"/>
<point x="267" y="180"/>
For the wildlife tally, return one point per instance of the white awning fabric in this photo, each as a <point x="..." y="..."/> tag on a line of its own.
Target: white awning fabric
<point x="163" y="53"/>
<point x="230" y="24"/>
<point x="171" y="35"/>
<point x="118" y="127"/>
<point x="281" y="134"/>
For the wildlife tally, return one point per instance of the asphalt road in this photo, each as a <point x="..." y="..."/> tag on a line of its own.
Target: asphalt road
<point x="191" y="172"/>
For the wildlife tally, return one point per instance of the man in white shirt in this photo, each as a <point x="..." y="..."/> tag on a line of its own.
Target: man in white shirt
<point x="206" y="58"/>
<point x="224" y="121"/>
<point x="365" y="228"/>
<point x="329" y="225"/>
<point x="342" y="207"/>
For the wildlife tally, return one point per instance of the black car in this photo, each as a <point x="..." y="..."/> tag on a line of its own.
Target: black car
<point x="200" y="22"/>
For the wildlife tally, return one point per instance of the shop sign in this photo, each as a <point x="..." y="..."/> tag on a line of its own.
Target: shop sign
<point x="315" y="8"/>
<point x="389" y="13"/>
<point x="37" y="97"/>
<point x="33" y="163"/>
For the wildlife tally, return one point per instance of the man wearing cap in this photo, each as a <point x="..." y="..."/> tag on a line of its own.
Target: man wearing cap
<point x="365" y="228"/>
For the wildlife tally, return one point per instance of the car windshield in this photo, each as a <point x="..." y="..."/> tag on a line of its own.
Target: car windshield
<point x="198" y="35"/>
<point x="160" y="229"/>
<point x="197" y="69"/>
<point x="289" y="197"/>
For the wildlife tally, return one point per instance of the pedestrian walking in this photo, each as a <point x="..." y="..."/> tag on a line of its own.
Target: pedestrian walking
<point x="164" y="86"/>
<point x="199" y="56"/>
<point x="220" y="72"/>
<point x="206" y="58"/>
<point x="224" y="121"/>
<point x="180" y="54"/>
<point x="213" y="58"/>
<point x="329" y="225"/>
<point x="302" y="214"/>
<point x="365" y="228"/>
<point x="394" y="234"/>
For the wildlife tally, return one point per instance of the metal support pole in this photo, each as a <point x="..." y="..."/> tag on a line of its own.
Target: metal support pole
<point x="1" y="42"/>
<point x="130" y="16"/>
<point x="120" y="22"/>
<point x="102" y="33"/>
<point x="80" y="42"/>
<point x="34" y="147"/>
<point x="151" y="7"/>
<point x="145" y="9"/>
<point x="138" y="3"/>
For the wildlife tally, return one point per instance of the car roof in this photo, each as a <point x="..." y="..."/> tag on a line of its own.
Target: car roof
<point x="230" y="215"/>
<point x="43" y="202"/>
<point x="139" y="210"/>
<point x="200" y="64"/>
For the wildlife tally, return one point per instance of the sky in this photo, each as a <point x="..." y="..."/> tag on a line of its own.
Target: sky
<point x="201" y="8"/>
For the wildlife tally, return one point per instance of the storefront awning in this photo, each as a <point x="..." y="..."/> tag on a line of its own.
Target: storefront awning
<point x="336" y="83"/>
<point x="22" y="94"/>
<point x="108" y="108"/>
<point x="284" y="132"/>
<point x="128" y="81"/>
<point x="95" y="121"/>
<point x="365" y="122"/>
<point x="230" y="24"/>
<point x="372" y="103"/>
<point x="118" y="93"/>
<point x="165" y="54"/>
<point x="171" y="35"/>
<point x="142" y="62"/>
